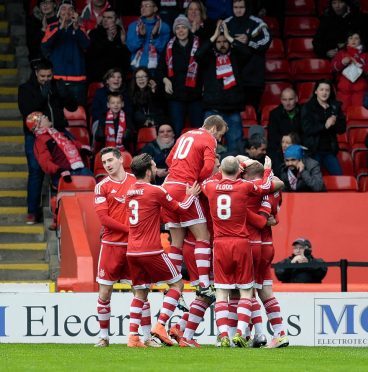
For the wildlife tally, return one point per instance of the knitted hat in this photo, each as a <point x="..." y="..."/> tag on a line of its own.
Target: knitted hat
<point x="303" y="242"/>
<point x="294" y="152"/>
<point x="33" y="119"/>
<point x="183" y="21"/>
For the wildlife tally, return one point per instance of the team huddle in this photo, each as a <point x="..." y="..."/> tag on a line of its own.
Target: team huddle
<point x="220" y="222"/>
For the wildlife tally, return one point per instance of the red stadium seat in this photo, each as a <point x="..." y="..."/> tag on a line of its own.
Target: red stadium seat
<point x="246" y="131"/>
<point x="272" y="92"/>
<point x="310" y="69"/>
<point x="346" y="163"/>
<point x="92" y="91"/>
<point x="356" y="136"/>
<point x="357" y="116"/>
<point x="146" y="135"/>
<point x="76" y="118"/>
<point x="363" y="182"/>
<point x="340" y="183"/>
<point x="321" y="6"/>
<point x="305" y="91"/>
<point x="277" y="69"/>
<point x="266" y="114"/>
<point x="273" y="25"/>
<point x="249" y="116"/>
<point x="276" y="49"/>
<point x="343" y="142"/>
<point x="300" y="47"/>
<point x="360" y="159"/>
<point x="127" y="20"/>
<point x="300" y="7"/>
<point x="78" y="184"/>
<point x="80" y="134"/>
<point x="300" y="26"/>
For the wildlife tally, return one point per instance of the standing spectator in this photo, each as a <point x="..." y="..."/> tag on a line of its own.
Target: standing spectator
<point x="113" y="83"/>
<point x="300" y="173"/>
<point x="222" y="94"/>
<point x="284" y="119"/>
<point x="147" y="103"/>
<point x="43" y="15"/>
<point x="219" y="9"/>
<point x="159" y="149"/>
<point x="107" y="49"/>
<point x="302" y="253"/>
<point x="92" y="14"/>
<point x="64" y="44"/>
<point x="181" y="77"/>
<point x="322" y="119"/>
<point x="147" y="37"/>
<point x="340" y="17"/>
<point x="351" y="88"/>
<point x="41" y="93"/>
<point x="252" y="32"/>
<point x="201" y="26"/>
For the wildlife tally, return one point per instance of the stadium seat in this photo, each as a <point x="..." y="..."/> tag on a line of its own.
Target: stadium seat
<point x="272" y="92"/>
<point x="80" y="134"/>
<point x="300" y="7"/>
<point x="321" y="6"/>
<point x="76" y="118"/>
<point x="146" y="135"/>
<point x="310" y="69"/>
<point x="363" y="182"/>
<point x="357" y="116"/>
<point x="300" y="26"/>
<point x="273" y="25"/>
<point x="300" y="47"/>
<point x="343" y="142"/>
<point x="357" y="136"/>
<point x="78" y="184"/>
<point x="265" y="116"/>
<point x="277" y="69"/>
<point x="360" y="159"/>
<point x="92" y="91"/>
<point x="305" y="91"/>
<point x="249" y="116"/>
<point x="346" y="163"/>
<point x="246" y="131"/>
<point x="276" y="49"/>
<point x="340" y="183"/>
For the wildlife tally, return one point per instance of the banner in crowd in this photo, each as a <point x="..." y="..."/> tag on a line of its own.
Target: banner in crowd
<point x="311" y="319"/>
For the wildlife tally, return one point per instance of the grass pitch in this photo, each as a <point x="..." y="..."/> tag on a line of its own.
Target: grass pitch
<point x="75" y="358"/>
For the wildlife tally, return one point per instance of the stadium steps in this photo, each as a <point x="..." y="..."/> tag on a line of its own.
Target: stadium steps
<point x="24" y="271"/>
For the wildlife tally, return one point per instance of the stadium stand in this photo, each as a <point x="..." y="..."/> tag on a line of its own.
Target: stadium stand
<point x="299" y="47"/>
<point x="277" y="69"/>
<point x="300" y="7"/>
<point x="249" y="116"/>
<point x="340" y="183"/>
<point x="145" y="135"/>
<point x="312" y="69"/>
<point x="76" y="118"/>
<point x="276" y="49"/>
<point x="300" y="26"/>
<point x="304" y="91"/>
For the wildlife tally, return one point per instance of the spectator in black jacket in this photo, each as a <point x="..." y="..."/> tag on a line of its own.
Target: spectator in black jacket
<point x="322" y="119"/>
<point x="159" y="149"/>
<point x="44" y="94"/>
<point x="302" y="253"/>
<point x="222" y="59"/>
<point x="300" y="173"/>
<point x="107" y="48"/>
<point x="284" y="119"/>
<point x="181" y="77"/>
<point x="340" y="18"/>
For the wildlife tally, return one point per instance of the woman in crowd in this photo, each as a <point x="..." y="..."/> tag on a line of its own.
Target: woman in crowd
<point x="201" y="26"/>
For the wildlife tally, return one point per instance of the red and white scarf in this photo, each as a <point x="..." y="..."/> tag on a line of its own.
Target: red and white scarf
<point x="111" y="138"/>
<point x="191" y="78"/>
<point x="152" y="52"/>
<point x="224" y="70"/>
<point x="293" y="180"/>
<point x="66" y="146"/>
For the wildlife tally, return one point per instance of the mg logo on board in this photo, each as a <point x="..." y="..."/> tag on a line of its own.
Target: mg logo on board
<point x="341" y="322"/>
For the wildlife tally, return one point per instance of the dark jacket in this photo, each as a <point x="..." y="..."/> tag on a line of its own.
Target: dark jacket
<point x="309" y="180"/>
<point x="51" y="101"/>
<point x="280" y="124"/>
<point x="315" y="136"/>
<point x="215" y="97"/>
<point x="180" y="61"/>
<point x="104" y="54"/>
<point x="301" y="275"/>
<point x="253" y="73"/>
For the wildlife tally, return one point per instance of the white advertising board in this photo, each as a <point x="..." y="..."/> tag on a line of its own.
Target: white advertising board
<point x="312" y="319"/>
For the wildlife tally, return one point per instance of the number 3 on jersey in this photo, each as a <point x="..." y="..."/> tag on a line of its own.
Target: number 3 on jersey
<point x="223" y="207"/>
<point x="133" y="205"/>
<point x="183" y="148"/>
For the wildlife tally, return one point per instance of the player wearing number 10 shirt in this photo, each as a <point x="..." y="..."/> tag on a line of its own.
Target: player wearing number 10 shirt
<point x="232" y="261"/>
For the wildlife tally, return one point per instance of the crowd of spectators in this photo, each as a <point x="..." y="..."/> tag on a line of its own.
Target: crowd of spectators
<point x="170" y="64"/>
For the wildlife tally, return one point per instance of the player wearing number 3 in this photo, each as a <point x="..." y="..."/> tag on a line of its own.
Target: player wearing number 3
<point x="147" y="261"/>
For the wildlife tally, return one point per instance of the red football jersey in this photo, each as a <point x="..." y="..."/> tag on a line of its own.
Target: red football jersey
<point x="111" y="195"/>
<point x="228" y="200"/>
<point x="145" y="202"/>
<point x="188" y="157"/>
<point x="270" y="205"/>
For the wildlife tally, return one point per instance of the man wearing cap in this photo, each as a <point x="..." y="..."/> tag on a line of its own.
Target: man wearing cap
<point x="181" y="77"/>
<point x="302" y="254"/>
<point x="300" y="173"/>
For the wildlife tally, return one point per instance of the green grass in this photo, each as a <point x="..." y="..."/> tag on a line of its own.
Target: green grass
<point x="75" y="358"/>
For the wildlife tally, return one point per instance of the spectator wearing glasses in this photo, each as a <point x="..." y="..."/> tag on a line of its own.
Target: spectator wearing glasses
<point x="159" y="149"/>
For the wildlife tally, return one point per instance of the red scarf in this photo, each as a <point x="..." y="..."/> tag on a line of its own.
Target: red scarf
<point x="152" y="52"/>
<point x="111" y="138"/>
<point x="224" y="70"/>
<point x="66" y="146"/>
<point x="191" y="79"/>
<point x="355" y="53"/>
